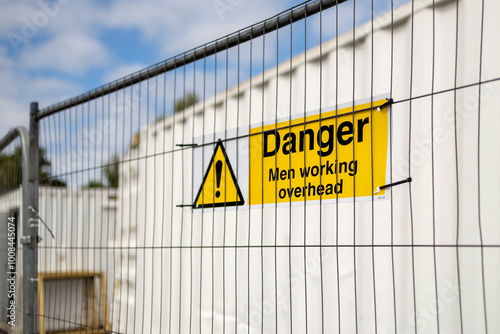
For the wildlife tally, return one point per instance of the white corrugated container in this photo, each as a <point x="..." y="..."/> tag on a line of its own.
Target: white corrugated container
<point x="83" y="224"/>
<point x="182" y="269"/>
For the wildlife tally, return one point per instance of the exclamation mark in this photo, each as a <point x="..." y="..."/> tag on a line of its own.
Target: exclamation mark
<point x="218" y="174"/>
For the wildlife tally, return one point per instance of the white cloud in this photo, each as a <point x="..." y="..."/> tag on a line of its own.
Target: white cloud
<point x="121" y="71"/>
<point x="48" y="90"/>
<point x="25" y="23"/>
<point x="69" y="41"/>
<point x="13" y="114"/>
<point x="176" y="26"/>
<point x="12" y="12"/>
<point x="151" y="17"/>
<point x="20" y="87"/>
<point x="68" y="53"/>
<point x="22" y="90"/>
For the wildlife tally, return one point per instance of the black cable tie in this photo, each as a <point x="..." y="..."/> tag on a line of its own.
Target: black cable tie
<point x="389" y="102"/>
<point x="186" y="145"/>
<point x="392" y="185"/>
<point x="184" y="205"/>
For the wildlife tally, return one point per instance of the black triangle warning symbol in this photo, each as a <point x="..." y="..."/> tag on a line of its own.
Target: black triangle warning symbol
<point x="219" y="186"/>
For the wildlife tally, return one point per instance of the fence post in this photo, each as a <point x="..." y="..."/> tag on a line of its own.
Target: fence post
<point x="30" y="230"/>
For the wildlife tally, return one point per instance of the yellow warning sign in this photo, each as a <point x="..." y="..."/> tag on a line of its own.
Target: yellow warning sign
<point x="219" y="187"/>
<point x="338" y="154"/>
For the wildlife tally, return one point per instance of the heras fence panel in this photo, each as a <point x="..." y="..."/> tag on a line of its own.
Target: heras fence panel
<point x="18" y="227"/>
<point x="332" y="169"/>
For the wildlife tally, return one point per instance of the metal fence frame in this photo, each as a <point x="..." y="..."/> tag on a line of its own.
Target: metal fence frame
<point x="29" y="238"/>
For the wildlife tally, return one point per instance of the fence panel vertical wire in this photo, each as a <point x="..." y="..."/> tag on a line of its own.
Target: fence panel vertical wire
<point x="457" y="181"/>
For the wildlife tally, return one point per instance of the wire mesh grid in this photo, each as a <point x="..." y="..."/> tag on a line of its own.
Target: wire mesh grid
<point x="143" y="243"/>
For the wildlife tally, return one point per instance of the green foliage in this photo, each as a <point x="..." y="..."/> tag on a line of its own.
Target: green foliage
<point x="188" y="101"/>
<point x="180" y="105"/>
<point x="44" y="171"/>
<point x="94" y="184"/>
<point x="11" y="173"/>
<point x="111" y="173"/>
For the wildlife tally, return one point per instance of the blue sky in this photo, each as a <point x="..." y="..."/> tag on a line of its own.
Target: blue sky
<point x="51" y="50"/>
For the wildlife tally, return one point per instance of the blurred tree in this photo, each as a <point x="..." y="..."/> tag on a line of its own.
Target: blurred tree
<point x="94" y="184"/>
<point x="10" y="171"/>
<point x="188" y="101"/>
<point x="12" y="174"/>
<point x="111" y="173"/>
<point x="180" y="105"/>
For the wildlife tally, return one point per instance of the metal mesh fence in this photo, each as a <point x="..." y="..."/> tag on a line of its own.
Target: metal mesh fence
<point x="330" y="170"/>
